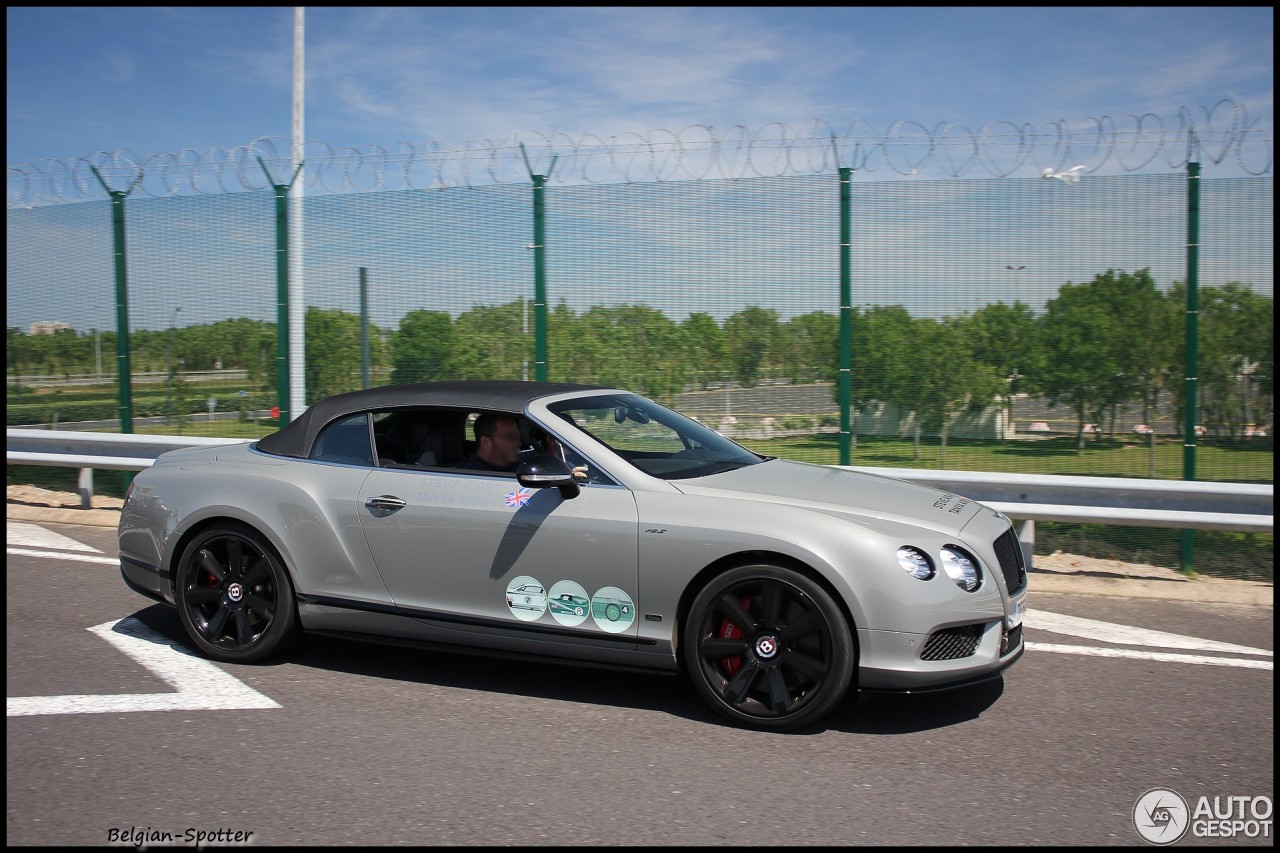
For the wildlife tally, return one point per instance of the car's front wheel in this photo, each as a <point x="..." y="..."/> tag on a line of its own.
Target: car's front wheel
<point x="234" y="595"/>
<point x="768" y="647"/>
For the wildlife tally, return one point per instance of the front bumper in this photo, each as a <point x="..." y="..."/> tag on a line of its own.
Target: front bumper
<point x="893" y="661"/>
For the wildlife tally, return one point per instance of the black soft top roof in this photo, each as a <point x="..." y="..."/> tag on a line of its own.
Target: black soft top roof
<point x="296" y="438"/>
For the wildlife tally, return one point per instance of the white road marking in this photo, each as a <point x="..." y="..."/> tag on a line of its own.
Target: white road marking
<point x="199" y="684"/>
<point x="35" y="536"/>
<point x="1110" y="632"/>
<point x="1166" y="657"/>
<point x="62" y="555"/>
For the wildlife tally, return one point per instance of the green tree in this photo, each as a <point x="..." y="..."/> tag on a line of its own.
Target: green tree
<point x="626" y="346"/>
<point x="704" y="349"/>
<point x="571" y="355"/>
<point x="1235" y="358"/>
<point x="1093" y="333"/>
<point x="1004" y="337"/>
<point x="14" y="354"/>
<point x="258" y="356"/>
<point x="749" y="337"/>
<point x="489" y="342"/>
<point x="423" y="348"/>
<point x="332" y="352"/>
<point x="881" y="356"/>
<point x="812" y="350"/>
<point x="182" y="401"/>
<point x="952" y="379"/>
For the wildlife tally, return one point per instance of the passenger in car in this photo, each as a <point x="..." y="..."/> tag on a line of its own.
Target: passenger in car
<point x="548" y="444"/>
<point x="497" y="444"/>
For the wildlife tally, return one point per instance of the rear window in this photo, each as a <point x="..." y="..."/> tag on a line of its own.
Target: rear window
<point x="346" y="442"/>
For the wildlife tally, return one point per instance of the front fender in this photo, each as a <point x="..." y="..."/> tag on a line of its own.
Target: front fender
<point x="682" y="535"/>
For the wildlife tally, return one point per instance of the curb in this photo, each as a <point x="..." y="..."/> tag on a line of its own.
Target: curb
<point x="1201" y="590"/>
<point x="64" y="515"/>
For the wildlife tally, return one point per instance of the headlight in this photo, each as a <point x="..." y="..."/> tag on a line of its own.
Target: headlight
<point x="915" y="563"/>
<point x="961" y="568"/>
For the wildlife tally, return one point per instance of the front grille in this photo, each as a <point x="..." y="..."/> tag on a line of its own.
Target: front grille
<point x="952" y="643"/>
<point x="1009" y="553"/>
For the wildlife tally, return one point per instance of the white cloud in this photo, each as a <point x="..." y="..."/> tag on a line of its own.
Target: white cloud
<point x="116" y="66"/>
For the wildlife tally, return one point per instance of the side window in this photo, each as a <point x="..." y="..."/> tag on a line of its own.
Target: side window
<point x="346" y="442"/>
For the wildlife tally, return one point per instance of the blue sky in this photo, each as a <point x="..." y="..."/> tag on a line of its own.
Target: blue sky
<point x="156" y="80"/>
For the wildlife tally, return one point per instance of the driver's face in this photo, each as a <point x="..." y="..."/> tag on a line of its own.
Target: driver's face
<point x="505" y="445"/>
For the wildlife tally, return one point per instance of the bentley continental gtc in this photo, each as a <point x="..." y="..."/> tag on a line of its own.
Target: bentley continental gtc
<point x="621" y="533"/>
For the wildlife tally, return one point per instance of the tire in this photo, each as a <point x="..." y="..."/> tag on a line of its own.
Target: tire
<point x="234" y="596"/>
<point x="768" y="648"/>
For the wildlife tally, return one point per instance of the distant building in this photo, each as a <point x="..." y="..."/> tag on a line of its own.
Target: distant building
<point x="47" y="328"/>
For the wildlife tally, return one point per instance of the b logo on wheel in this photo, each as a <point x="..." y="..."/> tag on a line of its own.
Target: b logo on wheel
<point x="766" y="647"/>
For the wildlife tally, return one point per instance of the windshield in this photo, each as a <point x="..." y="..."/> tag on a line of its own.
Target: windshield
<point x="653" y="438"/>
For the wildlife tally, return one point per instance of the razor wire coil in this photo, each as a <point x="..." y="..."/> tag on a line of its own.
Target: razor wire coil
<point x="1217" y="135"/>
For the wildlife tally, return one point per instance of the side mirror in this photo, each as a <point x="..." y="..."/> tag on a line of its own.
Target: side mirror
<point x="544" y="471"/>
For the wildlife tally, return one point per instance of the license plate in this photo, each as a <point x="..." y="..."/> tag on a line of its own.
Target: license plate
<point x="1017" y="608"/>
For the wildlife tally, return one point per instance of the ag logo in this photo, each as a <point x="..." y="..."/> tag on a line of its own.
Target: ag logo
<point x="1161" y="816"/>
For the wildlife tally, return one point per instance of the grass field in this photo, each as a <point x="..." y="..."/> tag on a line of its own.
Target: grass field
<point x="1057" y="455"/>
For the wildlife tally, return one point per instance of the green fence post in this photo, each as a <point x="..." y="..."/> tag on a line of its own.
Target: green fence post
<point x="364" y="327"/>
<point x="539" y="268"/>
<point x="282" y="290"/>
<point x="1193" y="349"/>
<point x="539" y="279"/>
<point x="124" y="377"/>
<point x="846" y="319"/>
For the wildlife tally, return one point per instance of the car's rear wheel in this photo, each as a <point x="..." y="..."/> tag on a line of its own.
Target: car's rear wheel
<point x="234" y="595"/>
<point x="768" y="647"/>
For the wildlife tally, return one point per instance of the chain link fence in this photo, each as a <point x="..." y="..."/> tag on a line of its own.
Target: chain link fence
<point x="1028" y="321"/>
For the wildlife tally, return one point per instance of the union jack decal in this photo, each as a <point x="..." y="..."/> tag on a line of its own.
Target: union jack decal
<point x="518" y="498"/>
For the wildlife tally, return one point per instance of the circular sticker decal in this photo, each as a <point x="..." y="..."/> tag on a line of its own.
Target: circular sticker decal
<point x="568" y="603"/>
<point x="613" y="610"/>
<point x="526" y="598"/>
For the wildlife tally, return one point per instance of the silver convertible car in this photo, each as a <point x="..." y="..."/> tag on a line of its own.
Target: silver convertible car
<point x="774" y="585"/>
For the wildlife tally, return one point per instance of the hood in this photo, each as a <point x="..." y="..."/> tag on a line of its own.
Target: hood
<point x="838" y="491"/>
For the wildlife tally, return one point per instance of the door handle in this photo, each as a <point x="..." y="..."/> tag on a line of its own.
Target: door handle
<point x="387" y="503"/>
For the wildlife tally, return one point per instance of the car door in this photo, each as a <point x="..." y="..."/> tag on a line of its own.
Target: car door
<point x="476" y="552"/>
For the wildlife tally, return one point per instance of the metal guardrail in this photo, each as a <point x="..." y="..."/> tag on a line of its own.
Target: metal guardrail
<point x="1179" y="504"/>
<point x="1244" y="507"/>
<point x="89" y="450"/>
<point x="1027" y="498"/>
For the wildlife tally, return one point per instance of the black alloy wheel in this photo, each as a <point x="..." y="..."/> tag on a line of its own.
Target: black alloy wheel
<point x="234" y="595"/>
<point x="768" y="647"/>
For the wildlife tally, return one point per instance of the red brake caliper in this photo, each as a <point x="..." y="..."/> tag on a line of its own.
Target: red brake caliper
<point x="730" y="631"/>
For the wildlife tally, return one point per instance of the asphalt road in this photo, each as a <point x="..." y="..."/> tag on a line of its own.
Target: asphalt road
<point x="369" y="745"/>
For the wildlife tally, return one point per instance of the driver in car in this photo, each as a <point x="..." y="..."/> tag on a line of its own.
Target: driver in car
<point x="497" y="444"/>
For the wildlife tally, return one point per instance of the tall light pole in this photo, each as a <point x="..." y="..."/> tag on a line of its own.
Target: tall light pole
<point x="297" y="382"/>
<point x="168" y="359"/>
